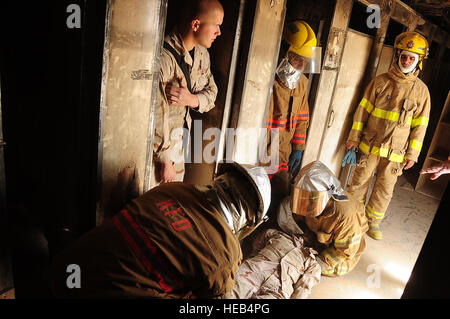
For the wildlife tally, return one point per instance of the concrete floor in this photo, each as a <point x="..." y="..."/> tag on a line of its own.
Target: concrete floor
<point x="386" y="265"/>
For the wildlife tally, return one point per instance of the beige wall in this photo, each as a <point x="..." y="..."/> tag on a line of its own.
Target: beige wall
<point x="131" y="45"/>
<point x="345" y="99"/>
<point x="321" y="107"/>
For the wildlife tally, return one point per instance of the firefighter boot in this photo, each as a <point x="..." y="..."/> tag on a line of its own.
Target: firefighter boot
<point x="375" y="231"/>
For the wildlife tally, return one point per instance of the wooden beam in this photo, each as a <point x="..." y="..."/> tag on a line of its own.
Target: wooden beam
<point x="258" y="81"/>
<point x="129" y="89"/>
<point x="377" y="46"/>
<point x="400" y="12"/>
<point x="414" y="21"/>
<point x="10" y="294"/>
<point x="328" y="77"/>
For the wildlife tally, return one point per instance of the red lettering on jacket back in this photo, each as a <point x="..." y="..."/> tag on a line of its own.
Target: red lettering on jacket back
<point x="171" y="209"/>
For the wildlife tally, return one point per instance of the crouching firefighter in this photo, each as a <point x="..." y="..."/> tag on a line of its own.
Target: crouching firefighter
<point x="177" y="240"/>
<point x="337" y="220"/>
<point x="389" y="126"/>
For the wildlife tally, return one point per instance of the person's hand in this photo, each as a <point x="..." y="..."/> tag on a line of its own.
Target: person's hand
<point x="180" y="96"/>
<point x="438" y="170"/>
<point x="409" y="164"/>
<point x="350" y="144"/>
<point x="168" y="172"/>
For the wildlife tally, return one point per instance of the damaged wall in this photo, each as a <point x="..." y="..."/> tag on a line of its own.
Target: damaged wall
<point x="251" y="109"/>
<point x="130" y="71"/>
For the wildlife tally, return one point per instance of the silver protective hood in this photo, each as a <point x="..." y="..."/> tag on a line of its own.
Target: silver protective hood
<point x="234" y="201"/>
<point x="287" y="74"/>
<point x="317" y="177"/>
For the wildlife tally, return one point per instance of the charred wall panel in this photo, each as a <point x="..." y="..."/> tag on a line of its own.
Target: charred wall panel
<point x="130" y="73"/>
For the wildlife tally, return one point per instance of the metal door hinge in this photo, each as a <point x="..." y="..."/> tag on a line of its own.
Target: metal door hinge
<point x="2" y="143"/>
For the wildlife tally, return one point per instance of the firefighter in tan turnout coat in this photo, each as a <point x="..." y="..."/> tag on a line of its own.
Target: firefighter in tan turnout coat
<point x="178" y="240"/>
<point x="389" y="126"/>
<point x="288" y="115"/>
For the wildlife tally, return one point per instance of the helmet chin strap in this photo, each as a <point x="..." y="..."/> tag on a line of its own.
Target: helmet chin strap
<point x="413" y="66"/>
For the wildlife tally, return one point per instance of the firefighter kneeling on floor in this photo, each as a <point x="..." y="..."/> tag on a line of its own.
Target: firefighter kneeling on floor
<point x="177" y="240"/>
<point x="319" y="204"/>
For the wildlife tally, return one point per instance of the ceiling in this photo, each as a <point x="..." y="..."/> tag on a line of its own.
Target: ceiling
<point x="436" y="11"/>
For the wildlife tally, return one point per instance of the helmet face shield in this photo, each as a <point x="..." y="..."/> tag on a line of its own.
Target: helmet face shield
<point x="290" y="69"/>
<point x="309" y="203"/>
<point x="314" y="186"/>
<point x="307" y="62"/>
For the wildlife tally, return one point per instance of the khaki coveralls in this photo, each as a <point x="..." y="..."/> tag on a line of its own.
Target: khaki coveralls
<point x="389" y="125"/>
<point x="169" y="119"/>
<point x="169" y="243"/>
<point x="341" y="227"/>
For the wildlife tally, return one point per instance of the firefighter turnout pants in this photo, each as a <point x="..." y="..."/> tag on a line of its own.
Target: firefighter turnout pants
<point x="386" y="177"/>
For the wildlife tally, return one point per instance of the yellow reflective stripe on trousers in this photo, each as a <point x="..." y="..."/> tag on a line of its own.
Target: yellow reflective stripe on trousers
<point x="328" y="271"/>
<point x="358" y="126"/>
<point x="388" y="115"/>
<point x="365" y="103"/>
<point x="381" y="151"/>
<point x="328" y="254"/>
<point x="342" y="269"/>
<point x="423" y="120"/>
<point x="348" y="242"/>
<point x="415" y="145"/>
<point x="374" y="214"/>
<point x="339" y="266"/>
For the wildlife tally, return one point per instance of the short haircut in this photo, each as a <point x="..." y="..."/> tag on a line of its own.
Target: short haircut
<point x="193" y="9"/>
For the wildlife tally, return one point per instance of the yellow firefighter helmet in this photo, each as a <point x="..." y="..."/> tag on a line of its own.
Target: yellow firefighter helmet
<point x="413" y="42"/>
<point x="300" y="37"/>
